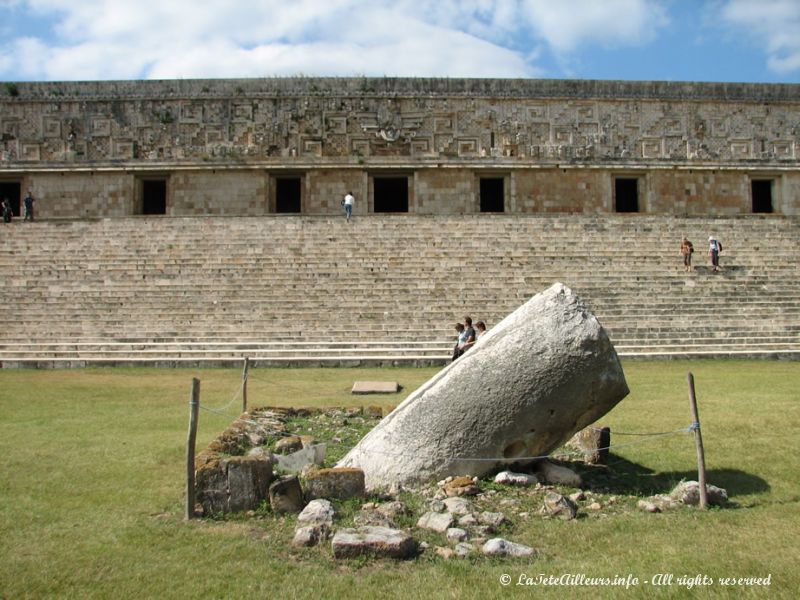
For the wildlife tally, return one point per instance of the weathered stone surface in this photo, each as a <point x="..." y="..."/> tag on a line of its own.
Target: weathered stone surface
<point x="316" y="512"/>
<point x="557" y="474"/>
<point x="458" y="505"/>
<point x="297" y="461"/>
<point x="648" y="506"/>
<point x="688" y="492"/>
<point x="339" y="483"/>
<point x="492" y="519"/>
<point x="311" y="535"/>
<point x="461" y="486"/>
<point x="543" y="373"/>
<point x="463" y="549"/>
<point x="501" y="547"/>
<point x="380" y="542"/>
<point x="439" y="522"/>
<point x="374" y="518"/>
<point x="392" y="509"/>
<point x="468" y="520"/>
<point x="288" y="444"/>
<point x="558" y="506"/>
<point x="593" y="442"/>
<point x="511" y="478"/>
<point x="375" y="387"/>
<point x="233" y="484"/>
<point x="456" y="534"/>
<point x="286" y="495"/>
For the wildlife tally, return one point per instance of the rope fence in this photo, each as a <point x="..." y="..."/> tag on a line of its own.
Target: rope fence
<point x="646" y="437"/>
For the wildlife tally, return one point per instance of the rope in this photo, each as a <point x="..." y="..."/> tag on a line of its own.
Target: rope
<point x="691" y="428"/>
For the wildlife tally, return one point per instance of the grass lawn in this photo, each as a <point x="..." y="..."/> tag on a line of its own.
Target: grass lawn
<point x="91" y="492"/>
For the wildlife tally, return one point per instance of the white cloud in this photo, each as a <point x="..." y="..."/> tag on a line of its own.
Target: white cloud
<point x="568" y="25"/>
<point x="107" y="39"/>
<point x="774" y="24"/>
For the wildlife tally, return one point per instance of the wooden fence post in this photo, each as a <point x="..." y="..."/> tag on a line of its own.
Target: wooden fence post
<point x="244" y="384"/>
<point x="194" y="407"/>
<point x="698" y="440"/>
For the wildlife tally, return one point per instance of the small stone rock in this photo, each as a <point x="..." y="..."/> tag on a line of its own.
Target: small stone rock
<point x="288" y="444"/>
<point x="439" y="522"/>
<point x="374" y="518"/>
<point x="557" y="474"/>
<point x="286" y="495"/>
<point x="437" y="506"/>
<point x="650" y="507"/>
<point x="317" y="511"/>
<point x="456" y="534"/>
<point x="558" y="506"/>
<point x="261" y="453"/>
<point x="461" y="486"/>
<point x="310" y="535"/>
<point x="511" y="478"/>
<point x="595" y="506"/>
<point x="593" y="442"/>
<point x="445" y="553"/>
<point x="458" y="505"/>
<point x="468" y="520"/>
<point x="379" y="542"/>
<point x="688" y="492"/>
<point x="492" y="519"/>
<point x="501" y="547"/>
<point x="338" y="483"/>
<point x="392" y="509"/>
<point x="577" y="496"/>
<point x="464" y="549"/>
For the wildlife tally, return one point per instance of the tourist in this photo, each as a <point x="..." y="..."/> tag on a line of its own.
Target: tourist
<point x="7" y="214"/>
<point x="686" y="251"/>
<point x="348" y="205"/>
<point x="480" y="329"/>
<point x="29" y="200"/>
<point x="457" y="347"/>
<point x="469" y="335"/>
<point x="714" y="248"/>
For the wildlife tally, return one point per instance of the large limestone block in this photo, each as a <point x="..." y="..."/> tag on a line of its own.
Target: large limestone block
<point x="544" y="372"/>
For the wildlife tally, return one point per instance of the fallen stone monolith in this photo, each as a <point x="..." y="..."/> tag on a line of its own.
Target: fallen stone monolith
<point x="544" y="372"/>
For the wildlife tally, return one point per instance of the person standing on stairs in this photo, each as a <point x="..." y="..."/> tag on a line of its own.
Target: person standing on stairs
<point x="714" y="248"/>
<point x="686" y="251"/>
<point x="28" y="201"/>
<point x="7" y="214"/>
<point x="348" y="204"/>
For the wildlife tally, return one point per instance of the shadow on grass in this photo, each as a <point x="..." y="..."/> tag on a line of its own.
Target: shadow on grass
<point x="622" y="476"/>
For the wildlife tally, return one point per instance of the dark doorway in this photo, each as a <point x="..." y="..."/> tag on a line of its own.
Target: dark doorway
<point x="12" y="191"/>
<point x="287" y="195"/>
<point x="154" y="197"/>
<point x="391" y="194"/>
<point x="626" y="195"/>
<point x="762" y="195"/>
<point x="492" y="194"/>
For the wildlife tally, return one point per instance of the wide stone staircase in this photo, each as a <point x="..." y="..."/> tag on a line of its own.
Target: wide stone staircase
<point x="382" y="290"/>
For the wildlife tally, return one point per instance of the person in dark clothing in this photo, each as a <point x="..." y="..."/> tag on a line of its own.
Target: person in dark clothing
<point x="7" y="214"/>
<point x="28" y="201"/>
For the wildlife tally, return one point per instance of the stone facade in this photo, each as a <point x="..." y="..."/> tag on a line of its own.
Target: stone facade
<point x="416" y="145"/>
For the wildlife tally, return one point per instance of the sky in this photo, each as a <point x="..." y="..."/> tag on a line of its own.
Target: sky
<point x="664" y="40"/>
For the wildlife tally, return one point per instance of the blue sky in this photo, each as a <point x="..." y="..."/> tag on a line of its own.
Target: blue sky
<point x="683" y="40"/>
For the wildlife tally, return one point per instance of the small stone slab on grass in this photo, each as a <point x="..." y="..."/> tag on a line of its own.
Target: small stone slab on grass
<point x="380" y="542"/>
<point x="375" y="387"/>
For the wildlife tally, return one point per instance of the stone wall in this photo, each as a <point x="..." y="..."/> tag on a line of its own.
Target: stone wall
<point x="559" y="145"/>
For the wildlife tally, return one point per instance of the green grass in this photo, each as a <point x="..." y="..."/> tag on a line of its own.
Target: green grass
<point x="91" y="492"/>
